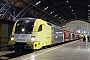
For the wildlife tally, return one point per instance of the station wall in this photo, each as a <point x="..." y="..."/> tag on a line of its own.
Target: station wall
<point x="5" y="31"/>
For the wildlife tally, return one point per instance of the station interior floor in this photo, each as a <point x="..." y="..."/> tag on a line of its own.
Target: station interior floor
<point x="76" y="50"/>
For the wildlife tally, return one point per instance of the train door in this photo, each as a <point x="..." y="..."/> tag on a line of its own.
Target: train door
<point x="40" y="35"/>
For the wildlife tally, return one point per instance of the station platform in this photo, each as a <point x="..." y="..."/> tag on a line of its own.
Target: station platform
<point x="76" y="50"/>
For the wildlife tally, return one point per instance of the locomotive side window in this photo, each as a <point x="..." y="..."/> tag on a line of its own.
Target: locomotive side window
<point x="40" y="28"/>
<point x="49" y="24"/>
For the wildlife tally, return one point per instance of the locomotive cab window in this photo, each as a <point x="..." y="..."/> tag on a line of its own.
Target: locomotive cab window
<point x="29" y="27"/>
<point x="40" y="28"/>
<point x="24" y="27"/>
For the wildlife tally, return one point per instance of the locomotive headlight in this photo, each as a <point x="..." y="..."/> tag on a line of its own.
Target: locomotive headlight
<point x="23" y="29"/>
<point x="12" y="38"/>
<point x="33" y="38"/>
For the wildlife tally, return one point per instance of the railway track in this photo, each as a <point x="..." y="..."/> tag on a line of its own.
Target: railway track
<point x="13" y="55"/>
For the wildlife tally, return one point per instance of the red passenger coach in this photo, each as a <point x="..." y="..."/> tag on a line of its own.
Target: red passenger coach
<point x="68" y="35"/>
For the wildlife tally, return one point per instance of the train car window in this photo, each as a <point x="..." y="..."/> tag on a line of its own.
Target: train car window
<point x="40" y="28"/>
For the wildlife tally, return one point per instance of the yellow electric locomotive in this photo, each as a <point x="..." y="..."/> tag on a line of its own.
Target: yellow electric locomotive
<point x="32" y="33"/>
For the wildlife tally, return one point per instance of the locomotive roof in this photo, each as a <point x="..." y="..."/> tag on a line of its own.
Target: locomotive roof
<point x="27" y="19"/>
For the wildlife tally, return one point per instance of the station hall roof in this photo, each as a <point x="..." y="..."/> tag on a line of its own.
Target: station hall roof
<point x="54" y="11"/>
